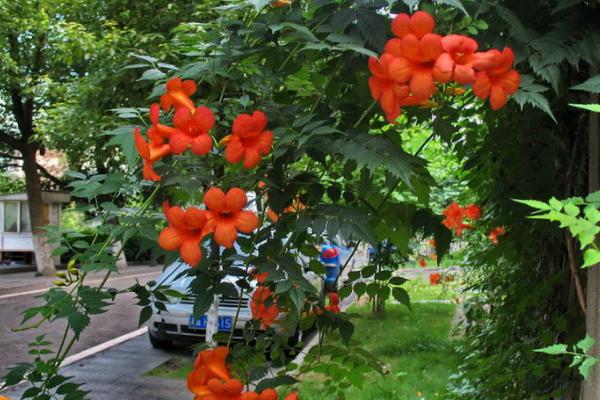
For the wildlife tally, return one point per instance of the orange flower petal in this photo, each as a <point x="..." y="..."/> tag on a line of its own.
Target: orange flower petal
<point x="149" y="173"/>
<point x="463" y="74"/>
<point x="393" y="47"/>
<point x="443" y="68"/>
<point x="171" y="238"/>
<point x="140" y="144"/>
<point x="422" y="85"/>
<point x="421" y="23"/>
<point x="234" y="152"/>
<point x="235" y="199"/>
<point x="498" y="98"/>
<point x="251" y="158"/>
<point x="482" y="85"/>
<point x="205" y="118"/>
<point x="264" y="142"/>
<point x="190" y="252"/>
<point x="401" y="69"/>
<point x="225" y="233"/>
<point x="260" y="120"/>
<point x="176" y="217"/>
<point x="179" y="142"/>
<point x="269" y="394"/>
<point x="154" y="113"/>
<point x="202" y="144"/>
<point x="401" y="25"/>
<point x="249" y="396"/>
<point x="431" y="46"/>
<point x="292" y="396"/>
<point x="246" y="221"/>
<point x="214" y="198"/>
<point x="243" y="125"/>
<point x="195" y="218"/>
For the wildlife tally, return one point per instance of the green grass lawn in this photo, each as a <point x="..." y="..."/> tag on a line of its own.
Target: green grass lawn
<point x="421" y="289"/>
<point x="415" y="346"/>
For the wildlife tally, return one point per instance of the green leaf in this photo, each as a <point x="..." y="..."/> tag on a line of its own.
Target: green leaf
<point x="454" y="3"/>
<point x="538" y="205"/>
<point x="586" y="343"/>
<point x="153" y="74"/>
<point x="78" y="322"/>
<point x="553" y="350"/>
<point x="401" y="296"/>
<point x="378" y="152"/>
<point x="586" y="366"/>
<point x="302" y="30"/>
<point x="373" y="28"/>
<point x="534" y="99"/>
<point x="356" y="49"/>
<point x="298" y="297"/>
<point x="397" y="280"/>
<point x="590" y="257"/>
<point x="591" y="85"/>
<point x="145" y="314"/>
<point x="589" y="107"/>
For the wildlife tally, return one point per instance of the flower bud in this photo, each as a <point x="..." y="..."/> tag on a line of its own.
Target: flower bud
<point x="61" y="275"/>
<point x="59" y="282"/>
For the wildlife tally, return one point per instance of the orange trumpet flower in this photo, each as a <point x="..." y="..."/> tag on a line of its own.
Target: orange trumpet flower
<point x="435" y="278"/>
<point x="178" y="94"/>
<point x="334" y="303"/>
<point x="456" y="63"/>
<point x="416" y="65"/>
<point x="260" y="311"/>
<point x="185" y="232"/>
<point x="226" y="215"/>
<point x="498" y="81"/>
<point x="495" y="233"/>
<point x="157" y="131"/>
<point x="209" y="364"/>
<point x="249" y="141"/>
<point x="384" y="89"/>
<point x="192" y="130"/>
<point x="150" y="153"/>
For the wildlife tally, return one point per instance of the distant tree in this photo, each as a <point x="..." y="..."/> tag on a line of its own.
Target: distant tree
<point x="60" y="63"/>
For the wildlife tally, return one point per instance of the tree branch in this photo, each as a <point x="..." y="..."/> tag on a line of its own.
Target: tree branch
<point x="48" y="175"/>
<point x="10" y="141"/>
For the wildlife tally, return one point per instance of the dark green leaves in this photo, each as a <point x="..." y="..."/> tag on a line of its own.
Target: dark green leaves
<point x="591" y="85"/>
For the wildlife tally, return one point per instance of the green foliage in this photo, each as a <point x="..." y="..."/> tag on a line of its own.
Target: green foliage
<point x="583" y="361"/>
<point x="10" y="184"/>
<point x="579" y="216"/>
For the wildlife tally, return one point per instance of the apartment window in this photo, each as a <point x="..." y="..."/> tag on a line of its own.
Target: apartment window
<point x="25" y="219"/>
<point x="11" y="216"/>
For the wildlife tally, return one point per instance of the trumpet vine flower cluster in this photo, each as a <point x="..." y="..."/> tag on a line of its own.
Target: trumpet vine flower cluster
<point x="211" y="380"/>
<point x="417" y="59"/>
<point x="248" y="143"/>
<point x="455" y="216"/>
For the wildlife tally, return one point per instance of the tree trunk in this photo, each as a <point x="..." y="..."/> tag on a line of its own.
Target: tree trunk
<point x="591" y="386"/>
<point x="41" y="248"/>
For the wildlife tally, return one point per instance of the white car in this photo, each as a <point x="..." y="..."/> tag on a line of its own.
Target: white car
<point x="179" y="324"/>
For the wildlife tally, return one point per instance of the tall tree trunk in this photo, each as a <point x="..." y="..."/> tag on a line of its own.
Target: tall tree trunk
<point x="41" y="248"/>
<point x="591" y="387"/>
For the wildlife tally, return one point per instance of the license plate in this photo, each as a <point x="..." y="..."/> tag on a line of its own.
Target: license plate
<point x="225" y="323"/>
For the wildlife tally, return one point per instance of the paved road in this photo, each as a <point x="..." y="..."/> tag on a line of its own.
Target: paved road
<point x="15" y="297"/>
